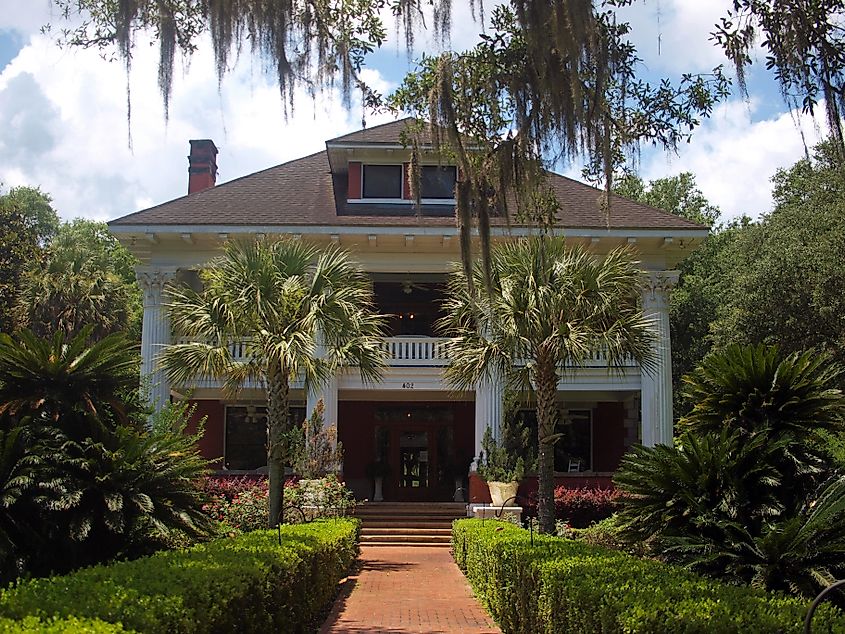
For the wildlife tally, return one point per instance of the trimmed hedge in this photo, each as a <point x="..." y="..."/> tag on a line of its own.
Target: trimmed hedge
<point x="69" y="625"/>
<point x="243" y="584"/>
<point x="567" y="586"/>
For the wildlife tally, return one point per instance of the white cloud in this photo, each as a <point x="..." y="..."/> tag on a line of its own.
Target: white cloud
<point x="734" y="158"/>
<point x="67" y="132"/>
<point x="64" y="118"/>
<point x="26" y="16"/>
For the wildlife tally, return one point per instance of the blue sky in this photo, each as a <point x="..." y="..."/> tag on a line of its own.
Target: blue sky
<point x="63" y="120"/>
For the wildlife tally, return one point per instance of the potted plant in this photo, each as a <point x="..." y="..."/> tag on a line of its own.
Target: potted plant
<point x="502" y="462"/>
<point x="378" y="470"/>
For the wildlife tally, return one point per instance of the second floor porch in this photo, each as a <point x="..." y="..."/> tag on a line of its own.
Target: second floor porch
<point x="417" y="363"/>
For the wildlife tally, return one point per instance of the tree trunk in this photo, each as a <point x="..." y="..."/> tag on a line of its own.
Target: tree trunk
<point x="545" y="384"/>
<point x="277" y="427"/>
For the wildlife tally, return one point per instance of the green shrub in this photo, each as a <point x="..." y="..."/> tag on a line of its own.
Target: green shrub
<point x="241" y="503"/>
<point x="558" y="585"/>
<point x="69" y="625"/>
<point x="245" y="584"/>
<point x="746" y="494"/>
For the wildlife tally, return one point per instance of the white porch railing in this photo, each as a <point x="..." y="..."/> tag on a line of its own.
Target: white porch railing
<point x="419" y="351"/>
<point x="416" y="351"/>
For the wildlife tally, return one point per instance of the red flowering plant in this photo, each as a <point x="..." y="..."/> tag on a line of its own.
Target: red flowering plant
<point x="241" y="503"/>
<point x="581" y="507"/>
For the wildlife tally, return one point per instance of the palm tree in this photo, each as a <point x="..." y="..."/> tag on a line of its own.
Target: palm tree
<point x="83" y="387"/>
<point x="78" y="283"/>
<point x="549" y="308"/>
<point x="758" y="391"/>
<point x="282" y="298"/>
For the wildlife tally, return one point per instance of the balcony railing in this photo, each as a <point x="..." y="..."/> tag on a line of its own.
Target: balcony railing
<point x="418" y="351"/>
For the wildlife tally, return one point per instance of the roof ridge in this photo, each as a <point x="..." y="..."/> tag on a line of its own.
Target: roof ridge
<point x="376" y="127"/>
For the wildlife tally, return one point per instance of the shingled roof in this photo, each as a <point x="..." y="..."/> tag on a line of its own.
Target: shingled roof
<point x="304" y="192"/>
<point x="384" y="133"/>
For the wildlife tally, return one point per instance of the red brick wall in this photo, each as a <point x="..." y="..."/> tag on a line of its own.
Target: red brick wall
<point x="211" y="444"/>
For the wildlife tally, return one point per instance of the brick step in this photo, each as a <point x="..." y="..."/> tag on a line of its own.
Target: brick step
<point x="402" y="530"/>
<point x="409" y="510"/>
<point x="420" y="517"/>
<point x="405" y="539"/>
<point x="408" y="513"/>
<point x="455" y="507"/>
<point x="390" y="522"/>
<point x="407" y="544"/>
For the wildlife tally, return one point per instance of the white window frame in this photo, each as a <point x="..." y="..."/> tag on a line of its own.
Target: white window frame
<point x="397" y="201"/>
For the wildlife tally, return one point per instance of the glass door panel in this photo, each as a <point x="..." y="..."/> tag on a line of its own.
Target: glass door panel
<point x="413" y="460"/>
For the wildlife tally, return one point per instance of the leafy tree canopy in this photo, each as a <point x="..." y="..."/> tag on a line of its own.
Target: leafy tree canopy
<point x="314" y="43"/>
<point x="37" y="210"/>
<point x="804" y="44"/>
<point x="679" y="195"/>
<point x="27" y="220"/>
<point x="85" y="276"/>
<point x="789" y="278"/>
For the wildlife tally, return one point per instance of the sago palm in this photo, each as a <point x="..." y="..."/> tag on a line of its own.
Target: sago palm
<point x="758" y="391"/>
<point x="283" y="299"/>
<point x="716" y="480"/>
<point x="86" y="386"/>
<point x="549" y="308"/>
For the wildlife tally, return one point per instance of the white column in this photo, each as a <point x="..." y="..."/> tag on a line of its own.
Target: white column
<point x="155" y="333"/>
<point x="657" y="382"/>
<point x="327" y="392"/>
<point x="489" y="397"/>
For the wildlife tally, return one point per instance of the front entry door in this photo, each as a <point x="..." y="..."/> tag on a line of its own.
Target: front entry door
<point x="414" y="462"/>
<point x="417" y="441"/>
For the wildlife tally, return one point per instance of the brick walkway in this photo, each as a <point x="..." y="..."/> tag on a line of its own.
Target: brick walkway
<point x="404" y="590"/>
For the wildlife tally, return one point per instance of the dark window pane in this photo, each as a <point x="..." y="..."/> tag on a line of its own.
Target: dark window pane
<point x="246" y="436"/>
<point x="574" y="448"/>
<point x="574" y="451"/>
<point x="437" y="181"/>
<point x="382" y="181"/>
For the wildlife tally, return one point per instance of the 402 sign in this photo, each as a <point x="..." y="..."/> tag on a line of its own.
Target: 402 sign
<point x="407" y="386"/>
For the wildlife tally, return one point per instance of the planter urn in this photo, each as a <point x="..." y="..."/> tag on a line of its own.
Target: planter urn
<point x="501" y="492"/>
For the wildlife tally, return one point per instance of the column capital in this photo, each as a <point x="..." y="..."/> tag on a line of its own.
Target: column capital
<point x="152" y="280"/>
<point x="657" y="284"/>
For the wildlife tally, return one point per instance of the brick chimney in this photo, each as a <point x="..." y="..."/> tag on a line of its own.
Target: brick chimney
<point x="202" y="165"/>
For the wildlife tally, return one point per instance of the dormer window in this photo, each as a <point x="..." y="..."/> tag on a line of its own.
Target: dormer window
<point x="390" y="183"/>
<point x="382" y="181"/>
<point x="438" y="182"/>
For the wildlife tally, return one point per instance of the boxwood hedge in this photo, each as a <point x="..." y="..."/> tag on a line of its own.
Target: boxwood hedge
<point x="561" y="585"/>
<point x="244" y="584"/>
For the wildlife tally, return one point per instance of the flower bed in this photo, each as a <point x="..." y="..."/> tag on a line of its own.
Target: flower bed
<point x="240" y="502"/>
<point x="579" y="507"/>
<point x="559" y="585"/>
<point x="245" y="584"/>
